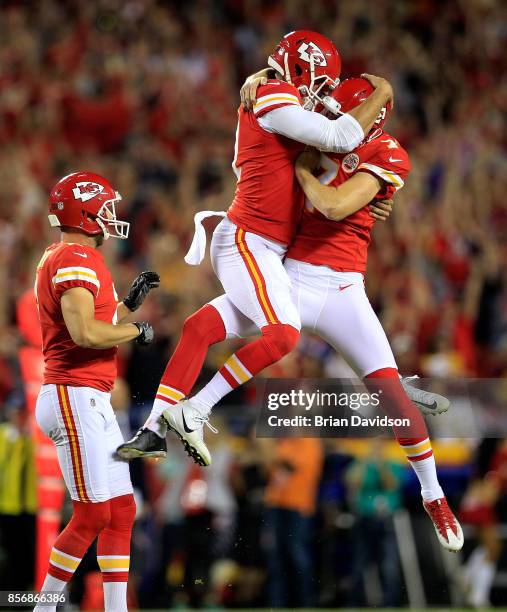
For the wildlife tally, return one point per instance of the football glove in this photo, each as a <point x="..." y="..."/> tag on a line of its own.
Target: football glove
<point x="142" y="285"/>
<point x="146" y="333"/>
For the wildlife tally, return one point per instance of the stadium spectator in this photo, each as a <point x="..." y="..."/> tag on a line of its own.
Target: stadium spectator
<point x="295" y="469"/>
<point x="375" y="494"/>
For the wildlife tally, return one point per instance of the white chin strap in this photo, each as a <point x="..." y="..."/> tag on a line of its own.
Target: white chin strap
<point x="109" y="224"/>
<point x="332" y="106"/>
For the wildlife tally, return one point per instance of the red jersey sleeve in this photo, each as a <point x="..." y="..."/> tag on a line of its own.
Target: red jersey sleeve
<point x="388" y="161"/>
<point x="76" y="268"/>
<point x="275" y="94"/>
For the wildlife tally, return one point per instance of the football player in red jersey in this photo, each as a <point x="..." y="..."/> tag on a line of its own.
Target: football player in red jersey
<point x="82" y="323"/>
<point x="250" y="243"/>
<point x="326" y="264"/>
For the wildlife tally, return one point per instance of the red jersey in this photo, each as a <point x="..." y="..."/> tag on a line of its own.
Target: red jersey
<point x="268" y="198"/>
<point x="343" y="245"/>
<point x="62" y="267"/>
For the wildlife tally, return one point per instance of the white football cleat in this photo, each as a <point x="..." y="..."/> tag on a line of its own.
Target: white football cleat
<point x="447" y="527"/>
<point x="185" y="419"/>
<point x="427" y="401"/>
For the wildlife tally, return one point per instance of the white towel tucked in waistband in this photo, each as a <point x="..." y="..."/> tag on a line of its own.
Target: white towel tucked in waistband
<point x="197" y="249"/>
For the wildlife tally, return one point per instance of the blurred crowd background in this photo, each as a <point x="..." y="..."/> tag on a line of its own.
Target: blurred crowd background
<point x="145" y="93"/>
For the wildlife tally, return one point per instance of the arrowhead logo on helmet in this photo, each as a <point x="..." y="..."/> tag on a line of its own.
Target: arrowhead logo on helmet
<point x="86" y="202"/>
<point x="310" y="62"/>
<point x="86" y="191"/>
<point x="311" y="49"/>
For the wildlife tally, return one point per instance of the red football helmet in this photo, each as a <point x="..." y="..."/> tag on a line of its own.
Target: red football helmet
<point x="86" y="201"/>
<point x="349" y="94"/>
<point x="310" y="62"/>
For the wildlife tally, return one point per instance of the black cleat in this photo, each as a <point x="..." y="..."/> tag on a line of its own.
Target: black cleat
<point x="145" y="443"/>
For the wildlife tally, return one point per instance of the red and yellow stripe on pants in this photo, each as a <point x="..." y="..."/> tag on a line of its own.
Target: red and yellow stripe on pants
<point x="114" y="568"/>
<point x="62" y="565"/>
<point x="416" y="449"/>
<point x="256" y="276"/>
<point x="75" y="449"/>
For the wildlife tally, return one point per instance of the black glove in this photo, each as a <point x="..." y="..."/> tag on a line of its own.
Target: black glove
<point x="146" y="333"/>
<point x="140" y="289"/>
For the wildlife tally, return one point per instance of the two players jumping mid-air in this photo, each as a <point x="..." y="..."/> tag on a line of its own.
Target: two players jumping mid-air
<point x="291" y="251"/>
<point x="315" y="170"/>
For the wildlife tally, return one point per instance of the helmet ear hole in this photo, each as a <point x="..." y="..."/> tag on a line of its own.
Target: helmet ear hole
<point x="298" y="70"/>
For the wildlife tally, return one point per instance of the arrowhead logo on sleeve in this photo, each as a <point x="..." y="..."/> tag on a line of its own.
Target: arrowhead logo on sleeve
<point x="85" y="191"/>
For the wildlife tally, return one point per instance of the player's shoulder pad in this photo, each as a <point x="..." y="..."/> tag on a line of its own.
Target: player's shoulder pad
<point x="76" y="265"/>
<point x="384" y="157"/>
<point x="77" y="254"/>
<point x="275" y="94"/>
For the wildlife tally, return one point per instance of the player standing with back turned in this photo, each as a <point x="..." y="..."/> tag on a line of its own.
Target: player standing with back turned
<point x="82" y="324"/>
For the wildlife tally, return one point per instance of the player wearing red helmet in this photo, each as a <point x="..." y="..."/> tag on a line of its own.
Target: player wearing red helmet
<point x="351" y="93"/>
<point x="86" y="202"/>
<point x="248" y="246"/>
<point x="82" y="323"/>
<point x="310" y="62"/>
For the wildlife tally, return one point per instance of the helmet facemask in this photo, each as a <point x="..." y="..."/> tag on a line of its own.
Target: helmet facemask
<point x="110" y="225"/>
<point x="320" y="87"/>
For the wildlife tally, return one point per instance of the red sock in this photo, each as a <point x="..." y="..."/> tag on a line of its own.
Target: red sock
<point x="202" y="329"/>
<point x="87" y="521"/>
<point x="113" y="546"/>
<point x="397" y="404"/>
<point x="276" y="342"/>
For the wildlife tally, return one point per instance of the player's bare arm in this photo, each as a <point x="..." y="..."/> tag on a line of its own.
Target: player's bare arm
<point x="78" y="311"/>
<point x="336" y="203"/>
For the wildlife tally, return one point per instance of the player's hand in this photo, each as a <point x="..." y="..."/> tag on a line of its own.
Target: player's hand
<point x="381" y="210"/>
<point x="248" y="91"/>
<point x="143" y="284"/>
<point x="146" y="333"/>
<point x="309" y="159"/>
<point x="381" y="83"/>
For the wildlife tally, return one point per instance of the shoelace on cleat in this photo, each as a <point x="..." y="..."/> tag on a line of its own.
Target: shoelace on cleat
<point x="443" y="517"/>
<point x="201" y="418"/>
